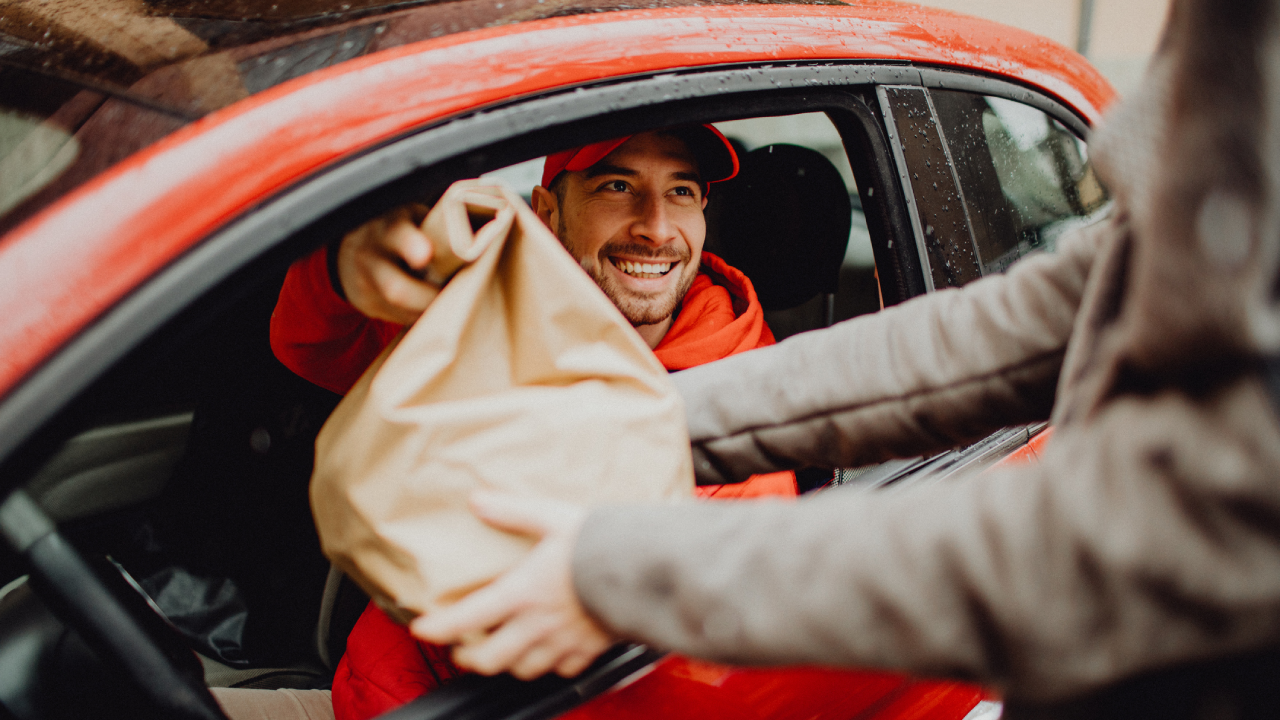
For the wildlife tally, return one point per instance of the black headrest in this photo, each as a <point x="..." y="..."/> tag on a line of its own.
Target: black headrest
<point x="784" y="221"/>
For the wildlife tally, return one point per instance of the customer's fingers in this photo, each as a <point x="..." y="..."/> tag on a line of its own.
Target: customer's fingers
<point x="474" y="614"/>
<point x="500" y="651"/>
<point x="563" y="637"/>
<point x="567" y="650"/>
<point x="537" y="660"/>
<point x="575" y="662"/>
<point x="525" y="515"/>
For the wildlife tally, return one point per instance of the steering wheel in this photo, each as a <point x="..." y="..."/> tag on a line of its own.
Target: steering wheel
<point x="110" y="614"/>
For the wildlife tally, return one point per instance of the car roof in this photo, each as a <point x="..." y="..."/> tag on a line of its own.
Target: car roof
<point x="184" y="59"/>
<point x="95" y="244"/>
<point x="114" y="46"/>
<point x="110" y="46"/>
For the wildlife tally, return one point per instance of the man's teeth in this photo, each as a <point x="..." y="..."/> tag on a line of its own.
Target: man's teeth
<point x="643" y="270"/>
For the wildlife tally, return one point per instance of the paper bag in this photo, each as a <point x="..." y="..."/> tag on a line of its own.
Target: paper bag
<point x="521" y="376"/>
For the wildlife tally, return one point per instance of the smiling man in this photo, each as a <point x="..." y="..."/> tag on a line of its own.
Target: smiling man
<point x="630" y="211"/>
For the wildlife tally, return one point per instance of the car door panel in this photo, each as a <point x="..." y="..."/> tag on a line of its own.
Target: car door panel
<point x="111" y="467"/>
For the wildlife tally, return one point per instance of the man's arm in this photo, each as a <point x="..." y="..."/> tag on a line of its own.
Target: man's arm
<point x="927" y="375"/>
<point x="327" y="329"/>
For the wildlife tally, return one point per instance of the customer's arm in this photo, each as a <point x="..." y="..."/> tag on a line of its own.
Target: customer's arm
<point x="930" y="374"/>
<point x="1145" y="537"/>
<point x="831" y="382"/>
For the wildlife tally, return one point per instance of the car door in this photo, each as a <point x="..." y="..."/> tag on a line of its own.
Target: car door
<point x="187" y="350"/>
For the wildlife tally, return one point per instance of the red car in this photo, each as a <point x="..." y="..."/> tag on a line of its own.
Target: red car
<point x="163" y="162"/>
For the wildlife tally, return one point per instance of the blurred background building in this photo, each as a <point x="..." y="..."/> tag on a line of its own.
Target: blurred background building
<point x="1118" y="36"/>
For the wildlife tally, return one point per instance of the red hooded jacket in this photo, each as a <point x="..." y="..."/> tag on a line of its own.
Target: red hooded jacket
<point x="321" y="337"/>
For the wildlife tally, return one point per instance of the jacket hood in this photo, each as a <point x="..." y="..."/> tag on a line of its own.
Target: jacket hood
<point x="719" y="316"/>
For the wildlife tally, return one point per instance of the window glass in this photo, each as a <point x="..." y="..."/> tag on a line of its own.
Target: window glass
<point x="943" y="222"/>
<point x="32" y="153"/>
<point x="1026" y="177"/>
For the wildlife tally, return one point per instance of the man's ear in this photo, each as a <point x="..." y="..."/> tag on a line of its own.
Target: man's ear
<point x="546" y="206"/>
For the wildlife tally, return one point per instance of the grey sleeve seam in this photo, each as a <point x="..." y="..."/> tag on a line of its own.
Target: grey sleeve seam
<point x="827" y="412"/>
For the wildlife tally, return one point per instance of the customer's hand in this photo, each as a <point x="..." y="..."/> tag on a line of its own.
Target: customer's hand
<point x="529" y="621"/>
<point x="381" y="266"/>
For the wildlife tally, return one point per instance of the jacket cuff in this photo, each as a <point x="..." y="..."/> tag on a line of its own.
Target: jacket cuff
<point x="331" y="267"/>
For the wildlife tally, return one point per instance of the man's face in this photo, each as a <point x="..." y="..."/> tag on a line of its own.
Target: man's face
<point x="634" y="222"/>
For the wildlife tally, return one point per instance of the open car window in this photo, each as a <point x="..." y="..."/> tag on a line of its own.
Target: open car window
<point x="187" y="462"/>
<point x="855" y="290"/>
<point x="187" y="457"/>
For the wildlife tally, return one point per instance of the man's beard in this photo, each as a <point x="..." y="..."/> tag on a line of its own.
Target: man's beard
<point x="646" y="309"/>
<point x="639" y="309"/>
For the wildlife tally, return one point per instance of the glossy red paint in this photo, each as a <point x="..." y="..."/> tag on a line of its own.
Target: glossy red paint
<point x="682" y="688"/>
<point x="1028" y="453"/>
<point x="68" y="265"/>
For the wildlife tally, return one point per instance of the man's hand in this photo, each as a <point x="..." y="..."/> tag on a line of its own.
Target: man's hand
<point x="537" y="623"/>
<point x="380" y="267"/>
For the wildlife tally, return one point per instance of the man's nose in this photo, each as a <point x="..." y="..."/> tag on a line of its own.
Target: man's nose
<point x="653" y="221"/>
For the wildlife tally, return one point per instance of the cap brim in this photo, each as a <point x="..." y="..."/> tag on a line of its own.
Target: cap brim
<point x="716" y="158"/>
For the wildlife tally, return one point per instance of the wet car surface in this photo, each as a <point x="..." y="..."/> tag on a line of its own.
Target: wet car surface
<point x="160" y="177"/>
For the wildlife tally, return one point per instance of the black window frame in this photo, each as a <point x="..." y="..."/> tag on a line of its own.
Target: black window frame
<point x="952" y="80"/>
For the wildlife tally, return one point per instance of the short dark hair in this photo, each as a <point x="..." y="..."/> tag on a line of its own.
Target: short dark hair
<point x="559" y="189"/>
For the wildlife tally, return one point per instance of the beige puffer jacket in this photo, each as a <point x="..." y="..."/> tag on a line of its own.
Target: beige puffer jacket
<point x="1149" y="533"/>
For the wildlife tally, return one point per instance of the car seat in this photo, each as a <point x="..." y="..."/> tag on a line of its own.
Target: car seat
<point x="784" y="221"/>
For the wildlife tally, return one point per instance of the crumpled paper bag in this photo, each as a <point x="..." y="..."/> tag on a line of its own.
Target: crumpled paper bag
<point x="520" y="376"/>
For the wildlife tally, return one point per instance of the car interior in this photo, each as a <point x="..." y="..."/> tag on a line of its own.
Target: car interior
<point x="182" y="472"/>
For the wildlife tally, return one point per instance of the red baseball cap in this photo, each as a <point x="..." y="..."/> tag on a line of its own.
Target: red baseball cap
<point x="716" y="159"/>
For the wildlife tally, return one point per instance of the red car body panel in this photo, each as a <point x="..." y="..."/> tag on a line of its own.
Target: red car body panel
<point x="75" y="260"/>
<point x="683" y="688"/>
<point x="1028" y="453"/>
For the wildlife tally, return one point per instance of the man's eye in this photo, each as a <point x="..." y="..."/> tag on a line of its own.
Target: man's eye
<point x="686" y="191"/>
<point x="615" y="186"/>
